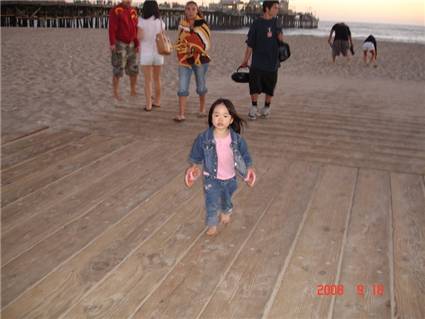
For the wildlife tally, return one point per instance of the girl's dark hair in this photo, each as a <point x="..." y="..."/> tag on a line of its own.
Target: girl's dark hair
<point x="197" y="7"/>
<point x="237" y="124"/>
<point x="150" y="8"/>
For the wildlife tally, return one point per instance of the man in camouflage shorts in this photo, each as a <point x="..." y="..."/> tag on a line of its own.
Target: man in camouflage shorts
<point x="124" y="45"/>
<point x="124" y="57"/>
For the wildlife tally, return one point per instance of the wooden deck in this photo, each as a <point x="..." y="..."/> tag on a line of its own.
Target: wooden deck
<point x="96" y="222"/>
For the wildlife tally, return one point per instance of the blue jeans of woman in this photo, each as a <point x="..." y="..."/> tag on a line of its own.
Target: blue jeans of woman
<point x="185" y="74"/>
<point x="218" y="197"/>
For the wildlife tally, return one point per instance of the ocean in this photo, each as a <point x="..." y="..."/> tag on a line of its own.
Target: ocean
<point x="382" y="32"/>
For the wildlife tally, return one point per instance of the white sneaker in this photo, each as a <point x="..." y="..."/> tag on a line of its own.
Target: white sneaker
<point x="265" y="112"/>
<point x="252" y="115"/>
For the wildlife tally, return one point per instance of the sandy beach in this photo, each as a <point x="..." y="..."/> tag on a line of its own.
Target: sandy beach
<point x="57" y="77"/>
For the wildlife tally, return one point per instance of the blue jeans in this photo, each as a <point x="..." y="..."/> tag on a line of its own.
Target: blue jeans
<point x="184" y="79"/>
<point x="218" y="197"/>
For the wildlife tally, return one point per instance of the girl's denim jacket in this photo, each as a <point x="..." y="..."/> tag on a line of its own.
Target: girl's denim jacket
<point x="204" y="152"/>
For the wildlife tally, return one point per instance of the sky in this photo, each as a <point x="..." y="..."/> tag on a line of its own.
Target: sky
<point x="378" y="11"/>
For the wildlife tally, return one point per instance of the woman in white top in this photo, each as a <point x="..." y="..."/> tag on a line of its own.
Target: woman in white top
<point x="369" y="45"/>
<point x="149" y="25"/>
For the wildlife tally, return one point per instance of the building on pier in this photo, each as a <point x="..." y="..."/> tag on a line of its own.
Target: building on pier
<point x="94" y="14"/>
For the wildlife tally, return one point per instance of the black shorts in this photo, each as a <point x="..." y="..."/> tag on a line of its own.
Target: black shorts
<point x="262" y="81"/>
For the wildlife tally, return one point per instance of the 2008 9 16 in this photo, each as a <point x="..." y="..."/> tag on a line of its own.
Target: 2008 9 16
<point x="330" y="290"/>
<point x="338" y="290"/>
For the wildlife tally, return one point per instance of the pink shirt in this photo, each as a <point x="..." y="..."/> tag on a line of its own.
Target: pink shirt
<point x="225" y="160"/>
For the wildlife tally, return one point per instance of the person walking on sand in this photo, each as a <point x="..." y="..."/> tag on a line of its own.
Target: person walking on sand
<point x="150" y="24"/>
<point x="369" y="46"/>
<point x="262" y="45"/>
<point x="191" y="47"/>
<point x="223" y="153"/>
<point x="123" y="44"/>
<point x="342" y="41"/>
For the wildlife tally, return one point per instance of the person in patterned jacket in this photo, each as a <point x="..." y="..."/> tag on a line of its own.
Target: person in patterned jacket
<point x="124" y="45"/>
<point x="191" y="47"/>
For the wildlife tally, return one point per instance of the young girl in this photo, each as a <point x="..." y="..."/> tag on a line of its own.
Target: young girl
<point x="223" y="153"/>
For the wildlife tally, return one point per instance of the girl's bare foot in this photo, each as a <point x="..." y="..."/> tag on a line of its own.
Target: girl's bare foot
<point x="225" y="218"/>
<point x="212" y="231"/>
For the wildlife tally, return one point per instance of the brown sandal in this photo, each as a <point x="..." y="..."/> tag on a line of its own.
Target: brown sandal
<point x="179" y="118"/>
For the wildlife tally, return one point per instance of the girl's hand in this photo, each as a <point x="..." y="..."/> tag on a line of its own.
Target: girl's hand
<point x="192" y="174"/>
<point x="250" y="177"/>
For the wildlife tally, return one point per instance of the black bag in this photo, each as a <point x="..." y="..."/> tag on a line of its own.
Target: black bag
<point x="284" y="51"/>
<point x="240" y="77"/>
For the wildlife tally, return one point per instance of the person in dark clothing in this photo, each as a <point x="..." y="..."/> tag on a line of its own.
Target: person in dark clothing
<point x="369" y="46"/>
<point x="262" y="45"/>
<point x="342" y="40"/>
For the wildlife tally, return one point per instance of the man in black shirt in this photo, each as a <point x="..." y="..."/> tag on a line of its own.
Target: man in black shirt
<point x="342" y="41"/>
<point x="262" y="45"/>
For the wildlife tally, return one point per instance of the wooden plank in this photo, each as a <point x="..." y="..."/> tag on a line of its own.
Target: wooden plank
<point x="376" y="143"/>
<point x="148" y="266"/>
<point x="343" y="158"/>
<point x="10" y="138"/>
<point x="365" y="263"/>
<point x="327" y="106"/>
<point x="403" y="154"/>
<point x="337" y="144"/>
<point x="408" y="206"/>
<point x="314" y="260"/>
<point x="12" y="156"/>
<point x="42" y="199"/>
<point x="314" y="134"/>
<point x="72" y="280"/>
<point x="40" y="178"/>
<point x="134" y="126"/>
<point x="245" y="289"/>
<point x="47" y="159"/>
<point x="335" y="133"/>
<point x="18" y="145"/>
<point x="36" y="228"/>
<point x="121" y="291"/>
<point x="35" y="264"/>
<point x="344" y="129"/>
<point x="350" y="121"/>
<point x="184" y="292"/>
<point x="374" y="119"/>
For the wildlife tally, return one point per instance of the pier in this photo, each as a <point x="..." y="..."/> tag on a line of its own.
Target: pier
<point x="59" y="14"/>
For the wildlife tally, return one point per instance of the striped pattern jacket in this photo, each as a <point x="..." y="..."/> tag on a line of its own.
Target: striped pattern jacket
<point x="193" y="43"/>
